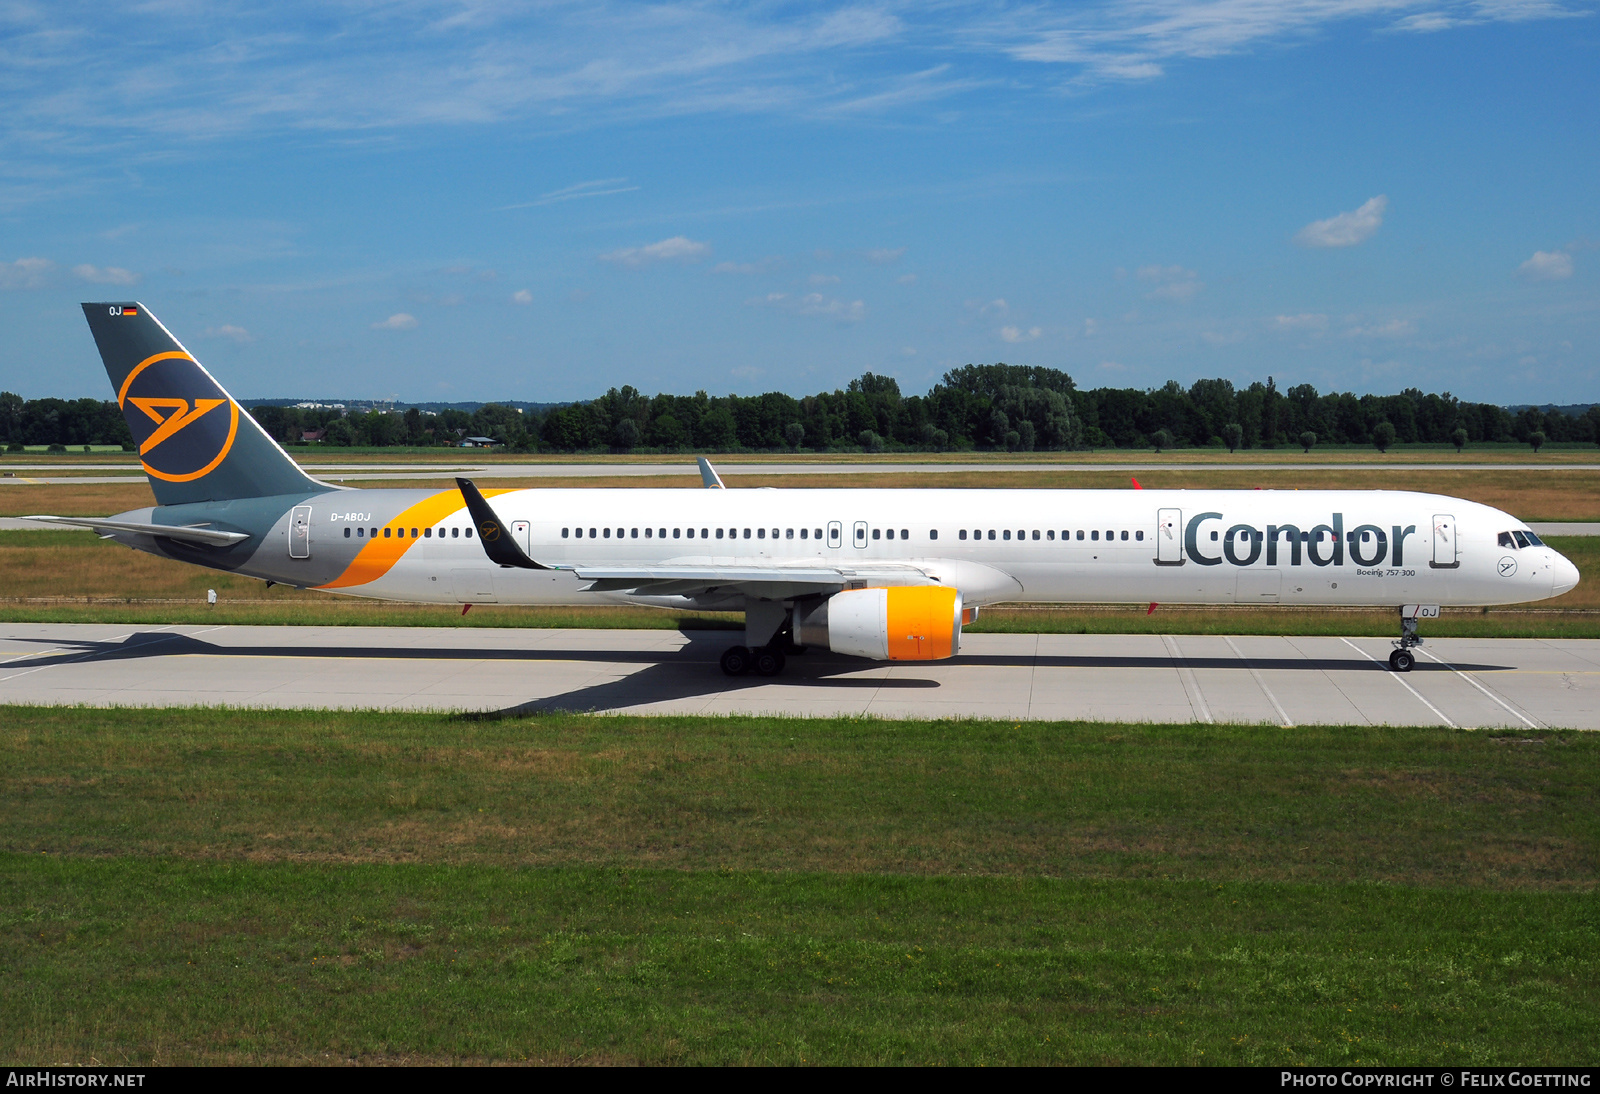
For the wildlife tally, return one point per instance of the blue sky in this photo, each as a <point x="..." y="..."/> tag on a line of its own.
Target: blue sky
<point x="538" y="201"/>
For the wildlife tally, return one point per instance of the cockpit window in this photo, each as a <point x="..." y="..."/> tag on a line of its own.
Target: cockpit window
<point x="1506" y="540"/>
<point x="1521" y="537"/>
<point x="1533" y="539"/>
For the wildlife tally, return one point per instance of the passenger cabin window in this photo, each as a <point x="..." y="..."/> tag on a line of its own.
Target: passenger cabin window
<point x="933" y="533"/>
<point x="1139" y="535"/>
<point x="816" y="533"/>
<point x="608" y="533"/>
<point x="1036" y="533"/>
<point x="469" y="533"/>
<point x="877" y="533"/>
<point x="1095" y="535"/>
<point x="719" y="533"/>
<point x="347" y="534"/>
<point x="961" y="534"/>
<point x="361" y="533"/>
<point x="1080" y="533"/>
<point x="1124" y="534"/>
<point x="991" y="533"/>
<point x="1050" y="534"/>
<point x="1006" y="534"/>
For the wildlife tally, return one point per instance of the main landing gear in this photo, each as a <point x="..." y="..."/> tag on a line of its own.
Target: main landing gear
<point x="766" y="661"/>
<point x="1402" y="659"/>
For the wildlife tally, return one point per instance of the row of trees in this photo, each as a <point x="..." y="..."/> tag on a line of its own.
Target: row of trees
<point x="988" y="407"/>
<point x="1008" y="407"/>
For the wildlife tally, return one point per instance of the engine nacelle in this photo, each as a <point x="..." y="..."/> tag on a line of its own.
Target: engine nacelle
<point x="900" y="623"/>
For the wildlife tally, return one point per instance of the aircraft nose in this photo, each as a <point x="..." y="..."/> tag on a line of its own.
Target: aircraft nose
<point x="1564" y="576"/>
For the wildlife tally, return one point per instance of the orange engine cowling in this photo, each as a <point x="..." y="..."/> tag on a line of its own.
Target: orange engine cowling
<point x="900" y="623"/>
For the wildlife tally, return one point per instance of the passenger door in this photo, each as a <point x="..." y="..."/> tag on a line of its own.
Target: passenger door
<point x="1169" y="537"/>
<point x="861" y="534"/>
<point x="1444" y="542"/>
<point x="300" y="532"/>
<point x="835" y="533"/>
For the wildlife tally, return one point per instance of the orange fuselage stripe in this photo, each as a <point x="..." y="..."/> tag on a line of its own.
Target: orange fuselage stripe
<point x="379" y="555"/>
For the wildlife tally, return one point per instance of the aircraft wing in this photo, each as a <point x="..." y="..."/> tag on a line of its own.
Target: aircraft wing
<point x="766" y="582"/>
<point x="763" y="582"/>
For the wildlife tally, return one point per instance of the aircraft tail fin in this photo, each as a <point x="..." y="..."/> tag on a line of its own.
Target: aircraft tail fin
<point x="195" y="442"/>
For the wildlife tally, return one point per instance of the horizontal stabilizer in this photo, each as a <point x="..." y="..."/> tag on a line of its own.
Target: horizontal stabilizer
<point x="187" y="533"/>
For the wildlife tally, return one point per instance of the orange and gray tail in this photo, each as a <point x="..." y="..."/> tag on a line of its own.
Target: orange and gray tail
<point x="195" y="442"/>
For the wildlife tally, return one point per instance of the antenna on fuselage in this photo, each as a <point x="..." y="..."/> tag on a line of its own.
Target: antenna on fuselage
<point x="709" y="477"/>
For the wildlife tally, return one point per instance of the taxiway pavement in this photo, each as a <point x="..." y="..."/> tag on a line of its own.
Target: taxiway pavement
<point x="1521" y="683"/>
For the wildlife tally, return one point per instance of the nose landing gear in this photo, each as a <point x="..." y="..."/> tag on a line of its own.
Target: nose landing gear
<point x="1402" y="659"/>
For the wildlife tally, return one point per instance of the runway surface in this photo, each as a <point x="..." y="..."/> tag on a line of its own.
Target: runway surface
<point x="1520" y="683"/>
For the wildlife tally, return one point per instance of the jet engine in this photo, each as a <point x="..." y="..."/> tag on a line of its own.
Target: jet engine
<point x="900" y="623"/>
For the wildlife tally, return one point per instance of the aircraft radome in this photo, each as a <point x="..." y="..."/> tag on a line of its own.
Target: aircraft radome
<point x="881" y="574"/>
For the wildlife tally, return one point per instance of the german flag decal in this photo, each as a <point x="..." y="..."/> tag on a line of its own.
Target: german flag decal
<point x="130" y="311"/>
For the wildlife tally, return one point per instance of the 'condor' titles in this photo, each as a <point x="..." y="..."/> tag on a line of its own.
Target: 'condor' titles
<point x="1321" y="545"/>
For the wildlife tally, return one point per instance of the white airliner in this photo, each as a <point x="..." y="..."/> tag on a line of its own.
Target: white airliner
<point x="881" y="574"/>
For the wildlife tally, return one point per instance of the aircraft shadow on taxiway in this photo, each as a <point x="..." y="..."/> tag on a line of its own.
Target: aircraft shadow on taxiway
<point x="689" y="672"/>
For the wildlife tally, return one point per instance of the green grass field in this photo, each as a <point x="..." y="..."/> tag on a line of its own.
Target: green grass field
<point x="207" y="886"/>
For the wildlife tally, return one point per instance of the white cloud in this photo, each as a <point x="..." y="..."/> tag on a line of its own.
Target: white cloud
<point x="228" y="330"/>
<point x="398" y="321"/>
<point x="1547" y="266"/>
<point x="1017" y="334"/>
<point x="25" y="273"/>
<point x="1394" y="328"/>
<point x="522" y="296"/>
<point x="1303" y="321"/>
<point x="997" y="306"/>
<point x="906" y="279"/>
<point x="1223" y="338"/>
<point x="1171" y="283"/>
<point x="1346" y="229"/>
<point x="771" y="262"/>
<point x="823" y="279"/>
<point x="107" y="275"/>
<point x="815" y="305"/>
<point x="676" y="249"/>
<point x="883" y="256"/>
<point x="1091" y="327"/>
<point x="597" y="188"/>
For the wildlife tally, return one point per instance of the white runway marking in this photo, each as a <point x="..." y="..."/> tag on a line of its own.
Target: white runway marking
<point x="1401" y="682"/>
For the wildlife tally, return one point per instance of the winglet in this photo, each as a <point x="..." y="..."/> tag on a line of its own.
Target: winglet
<point x="709" y="477"/>
<point x="500" y="547"/>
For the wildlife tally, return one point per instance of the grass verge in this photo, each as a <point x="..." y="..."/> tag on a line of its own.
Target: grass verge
<point x="209" y="886"/>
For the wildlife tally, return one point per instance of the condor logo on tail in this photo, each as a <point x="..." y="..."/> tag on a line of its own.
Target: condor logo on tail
<point x="180" y="429"/>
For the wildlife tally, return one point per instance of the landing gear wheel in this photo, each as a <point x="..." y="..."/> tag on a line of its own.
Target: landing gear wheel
<point x="769" y="662"/>
<point x="1402" y="660"/>
<point x="736" y="660"/>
